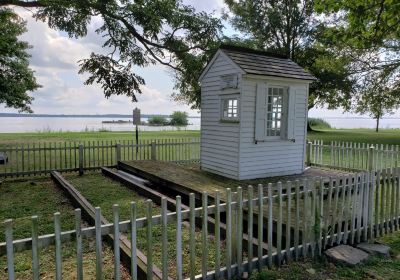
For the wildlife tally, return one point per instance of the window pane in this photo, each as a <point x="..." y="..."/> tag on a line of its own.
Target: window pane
<point x="274" y="110"/>
<point x="230" y="108"/>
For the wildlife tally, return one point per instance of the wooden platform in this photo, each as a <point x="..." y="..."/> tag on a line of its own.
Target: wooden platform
<point x="185" y="179"/>
<point x="190" y="176"/>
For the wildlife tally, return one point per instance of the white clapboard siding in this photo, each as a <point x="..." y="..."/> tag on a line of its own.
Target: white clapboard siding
<point x="275" y="157"/>
<point x="219" y="141"/>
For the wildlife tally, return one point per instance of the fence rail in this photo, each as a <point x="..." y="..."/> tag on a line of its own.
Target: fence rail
<point x="353" y="156"/>
<point x="303" y="218"/>
<point x="42" y="158"/>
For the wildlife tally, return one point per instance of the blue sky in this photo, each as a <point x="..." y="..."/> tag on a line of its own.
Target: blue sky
<point x="55" y="60"/>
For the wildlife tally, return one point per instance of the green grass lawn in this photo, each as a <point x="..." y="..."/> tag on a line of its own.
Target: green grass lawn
<point x="22" y="199"/>
<point x="373" y="268"/>
<point x="384" y="136"/>
<point x="21" y="138"/>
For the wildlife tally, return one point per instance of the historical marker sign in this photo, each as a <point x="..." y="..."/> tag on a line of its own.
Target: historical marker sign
<point x="136" y="116"/>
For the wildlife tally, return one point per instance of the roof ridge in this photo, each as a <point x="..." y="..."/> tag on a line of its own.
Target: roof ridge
<point x="251" y="51"/>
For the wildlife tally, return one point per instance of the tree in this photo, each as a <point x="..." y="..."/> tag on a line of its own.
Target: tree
<point x="378" y="98"/>
<point x="291" y="28"/>
<point x="137" y="33"/>
<point x="16" y="78"/>
<point x="368" y="30"/>
<point x="179" y="118"/>
<point x="158" y="120"/>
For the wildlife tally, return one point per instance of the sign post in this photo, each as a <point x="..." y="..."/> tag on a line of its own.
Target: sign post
<point x="136" y="122"/>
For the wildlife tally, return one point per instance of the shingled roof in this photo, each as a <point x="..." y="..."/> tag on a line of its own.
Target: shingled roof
<point x="264" y="63"/>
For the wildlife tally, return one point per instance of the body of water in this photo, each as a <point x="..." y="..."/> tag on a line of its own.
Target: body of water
<point x="47" y="124"/>
<point x="387" y="123"/>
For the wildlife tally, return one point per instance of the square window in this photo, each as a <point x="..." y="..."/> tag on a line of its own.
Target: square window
<point x="230" y="108"/>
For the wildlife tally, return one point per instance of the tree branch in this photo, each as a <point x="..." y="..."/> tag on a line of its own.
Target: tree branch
<point x="25" y="4"/>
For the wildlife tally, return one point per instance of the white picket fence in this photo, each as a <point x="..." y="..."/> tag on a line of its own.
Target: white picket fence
<point x="42" y="158"/>
<point x="353" y="156"/>
<point x="295" y="219"/>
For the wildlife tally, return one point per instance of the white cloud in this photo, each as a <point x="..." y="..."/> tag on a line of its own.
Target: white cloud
<point x="207" y="5"/>
<point x="55" y="62"/>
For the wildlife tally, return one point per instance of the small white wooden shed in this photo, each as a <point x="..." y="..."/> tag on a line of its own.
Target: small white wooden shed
<point x="253" y="114"/>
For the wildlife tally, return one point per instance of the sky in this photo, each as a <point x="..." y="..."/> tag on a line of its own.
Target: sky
<point x="55" y="59"/>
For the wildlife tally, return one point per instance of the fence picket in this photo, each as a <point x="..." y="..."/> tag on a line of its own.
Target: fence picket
<point x="383" y="202"/>
<point x="8" y="224"/>
<point x="392" y="200"/>
<point x="204" y="232"/>
<point x="217" y="234"/>
<point x="164" y="239"/>
<point x="179" y="272"/>
<point x="79" y="252"/>
<point x="228" y="232"/>
<point x="260" y="228"/>
<point x="99" y="258"/>
<point x="239" y="228"/>
<point x="192" y="244"/>
<point x="288" y="219"/>
<point x="297" y="220"/>
<point x="341" y="211"/>
<point x="35" y="248"/>
<point x="117" y="273"/>
<point x="305" y="226"/>
<point x="250" y="210"/>
<point x="149" y="239"/>
<point x="57" y="235"/>
<point x="378" y="203"/>
<point x="347" y="209"/>
<point x="360" y="195"/>
<point x="270" y="225"/>
<point x="397" y="207"/>
<point x="313" y="203"/>
<point x="279" y="225"/>
<point x="133" y="241"/>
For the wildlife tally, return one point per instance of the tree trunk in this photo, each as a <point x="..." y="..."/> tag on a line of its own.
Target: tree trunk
<point x="377" y="124"/>
<point x="309" y="128"/>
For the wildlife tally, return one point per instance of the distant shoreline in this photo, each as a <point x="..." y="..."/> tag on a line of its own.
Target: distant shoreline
<point x="14" y="115"/>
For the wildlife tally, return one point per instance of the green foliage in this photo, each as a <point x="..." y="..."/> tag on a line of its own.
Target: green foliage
<point x="369" y="31"/>
<point x="318" y="123"/>
<point x="179" y="118"/>
<point x="138" y="34"/>
<point x="378" y="98"/>
<point x="292" y="28"/>
<point x="158" y="120"/>
<point x="16" y="78"/>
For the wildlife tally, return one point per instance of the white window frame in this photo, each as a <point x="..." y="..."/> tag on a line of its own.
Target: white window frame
<point x="225" y="98"/>
<point x="283" y="113"/>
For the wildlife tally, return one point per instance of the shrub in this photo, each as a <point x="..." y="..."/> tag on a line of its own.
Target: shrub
<point x="179" y="118"/>
<point x="318" y="123"/>
<point x="158" y="120"/>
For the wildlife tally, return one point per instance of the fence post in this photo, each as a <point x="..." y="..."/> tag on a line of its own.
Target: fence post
<point x="153" y="151"/>
<point x="371" y="158"/>
<point x="80" y="159"/>
<point x="309" y="153"/>
<point x="118" y="152"/>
